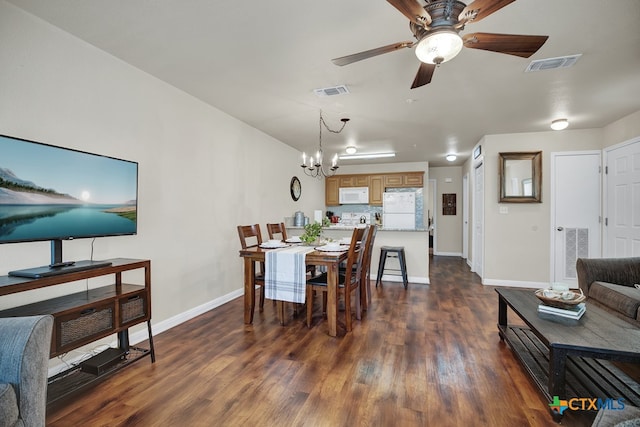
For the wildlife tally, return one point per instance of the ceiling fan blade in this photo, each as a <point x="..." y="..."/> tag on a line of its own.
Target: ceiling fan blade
<point x="480" y="9"/>
<point x="425" y="72"/>
<point x="412" y="10"/>
<point x="344" y="60"/>
<point x="518" y="45"/>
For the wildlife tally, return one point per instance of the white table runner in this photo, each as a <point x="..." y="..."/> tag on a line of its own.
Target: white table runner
<point x="285" y="275"/>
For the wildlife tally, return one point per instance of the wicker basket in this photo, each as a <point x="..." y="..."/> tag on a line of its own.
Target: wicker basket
<point x="555" y="299"/>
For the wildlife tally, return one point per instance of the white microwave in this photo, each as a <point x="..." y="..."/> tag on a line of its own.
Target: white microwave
<point x="354" y="196"/>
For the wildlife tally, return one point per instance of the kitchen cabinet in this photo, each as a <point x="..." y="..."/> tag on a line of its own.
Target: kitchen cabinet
<point x="406" y="179"/>
<point x="377" y="184"/>
<point x="394" y="180"/>
<point x="376" y="188"/>
<point x="331" y="192"/>
<point x="345" y="181"/>
<point x="413" y="179"/>
<point x="353" y="181"/>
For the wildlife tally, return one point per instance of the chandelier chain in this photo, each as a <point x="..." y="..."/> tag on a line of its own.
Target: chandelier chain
<point x="317" y="169"/>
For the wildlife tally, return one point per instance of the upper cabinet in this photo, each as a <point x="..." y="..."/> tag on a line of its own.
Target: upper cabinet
<point x="353" y="180"/>
<point x="376" y="188"/>
<point x="331" y="192"/>
<point x="377" y="184"/>
<point x="406" y="179"/>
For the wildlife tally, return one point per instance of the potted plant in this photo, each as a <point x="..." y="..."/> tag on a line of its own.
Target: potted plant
<point x="312" y="232"/>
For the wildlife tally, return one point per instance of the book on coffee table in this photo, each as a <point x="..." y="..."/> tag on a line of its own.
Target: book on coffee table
<point x="574" y="312"/>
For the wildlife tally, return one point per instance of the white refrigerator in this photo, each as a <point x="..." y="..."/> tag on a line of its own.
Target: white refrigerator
<point x="399" y="210"/>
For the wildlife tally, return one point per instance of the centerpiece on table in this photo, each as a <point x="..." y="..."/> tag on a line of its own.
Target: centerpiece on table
<point x="560" y="301"/>
<point x="313" y="232"/>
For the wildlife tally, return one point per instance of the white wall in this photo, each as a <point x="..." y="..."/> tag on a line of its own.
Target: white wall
<point x="517" y="245"/>
<point x="622" y="130"/>
<point x="201" y="172"/>
<point x="448" y="227"/>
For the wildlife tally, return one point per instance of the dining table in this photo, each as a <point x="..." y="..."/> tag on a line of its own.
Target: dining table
<point x="330" y="260"/>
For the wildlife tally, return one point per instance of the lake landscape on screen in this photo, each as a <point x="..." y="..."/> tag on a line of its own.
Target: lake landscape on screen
<point x="49" y="192"/>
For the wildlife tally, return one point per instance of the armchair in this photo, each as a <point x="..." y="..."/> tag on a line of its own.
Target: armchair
<point x="25" y="343"/>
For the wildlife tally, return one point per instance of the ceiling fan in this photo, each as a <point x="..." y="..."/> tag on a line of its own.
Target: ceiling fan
<point x="436" y="27"/>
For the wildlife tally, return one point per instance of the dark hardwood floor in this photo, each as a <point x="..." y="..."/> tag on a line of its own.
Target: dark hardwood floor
<point x="427" y="356"/>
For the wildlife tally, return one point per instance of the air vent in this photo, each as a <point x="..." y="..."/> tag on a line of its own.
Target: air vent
<point x="552" y="63"/>
<point x="331" y="91"/>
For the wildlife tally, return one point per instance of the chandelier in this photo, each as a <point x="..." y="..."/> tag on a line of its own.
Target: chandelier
<point x="313" y="166"/>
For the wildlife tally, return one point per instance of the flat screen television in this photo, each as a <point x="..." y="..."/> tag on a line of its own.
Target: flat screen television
<point x="55" y="193"/>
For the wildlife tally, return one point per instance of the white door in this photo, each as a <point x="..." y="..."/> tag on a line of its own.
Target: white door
<point x="575" y="212"/>
<point x="478" y="219"/>
<point x="465" y="216"/>
<point x="623" y="200"/>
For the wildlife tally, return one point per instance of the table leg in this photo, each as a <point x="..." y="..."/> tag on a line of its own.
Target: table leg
<point x="557" y="369"/>
<point x="280" y="309"/>
<point x="502" y="316"/>
<point x="249" y="290"/>
<point x="332" y="299"/>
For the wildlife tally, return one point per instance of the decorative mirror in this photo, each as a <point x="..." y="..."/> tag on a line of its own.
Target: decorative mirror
<point x="520" y="177"/>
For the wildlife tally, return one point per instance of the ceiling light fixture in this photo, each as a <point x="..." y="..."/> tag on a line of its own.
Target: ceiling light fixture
<point x="451" y="157"/>
<point x="315" y="168"/>
<point x="439" y="46"/>
<point x="559" y="124"/>
<point x="367" y="156"/>
<point x="351" y="150"/>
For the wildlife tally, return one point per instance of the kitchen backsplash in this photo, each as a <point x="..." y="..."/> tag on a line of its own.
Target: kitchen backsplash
<point x="353" y="212"/>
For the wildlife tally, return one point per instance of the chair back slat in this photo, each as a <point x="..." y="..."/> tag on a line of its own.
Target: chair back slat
<point x="355" y="256"/>
<point x="250" y="235"/>
<point x="276" y="230"/>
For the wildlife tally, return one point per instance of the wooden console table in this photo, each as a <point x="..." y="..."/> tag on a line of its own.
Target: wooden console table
<point x="83" y="317"/>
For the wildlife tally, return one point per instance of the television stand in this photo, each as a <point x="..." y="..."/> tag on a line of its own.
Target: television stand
<point x="58" y="269"/>
<point x="81" y="318"/>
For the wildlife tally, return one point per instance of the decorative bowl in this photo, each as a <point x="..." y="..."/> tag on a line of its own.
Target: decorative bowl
<point x="560" y="299"/>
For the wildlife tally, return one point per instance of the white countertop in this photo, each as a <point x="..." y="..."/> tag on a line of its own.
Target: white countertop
<point x="351" y="227"/>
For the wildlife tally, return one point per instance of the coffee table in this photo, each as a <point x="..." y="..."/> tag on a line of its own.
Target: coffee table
<point x="569" y="358"/>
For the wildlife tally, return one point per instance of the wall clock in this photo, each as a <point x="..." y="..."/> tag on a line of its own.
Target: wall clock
<point x="295" y="188"/>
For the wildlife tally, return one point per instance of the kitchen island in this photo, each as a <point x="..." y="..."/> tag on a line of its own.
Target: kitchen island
<point x="415" y="242"/>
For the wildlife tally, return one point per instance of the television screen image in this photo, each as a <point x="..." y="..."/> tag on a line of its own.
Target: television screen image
<point x="55" y="193"/>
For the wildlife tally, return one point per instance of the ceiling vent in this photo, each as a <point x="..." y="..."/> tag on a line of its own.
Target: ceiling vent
<point x="331" y="91"/>
<point x="552" y="63"/>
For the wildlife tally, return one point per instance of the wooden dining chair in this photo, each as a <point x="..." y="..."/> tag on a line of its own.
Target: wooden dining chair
<point x="348" y="282"/>
<point x="250" y="236"/>
<point x="365" y="289"/>
<point x="276" y="230"/>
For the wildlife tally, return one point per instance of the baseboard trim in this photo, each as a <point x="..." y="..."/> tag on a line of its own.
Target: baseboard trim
<point x="437" y="253"/>
<point x="398" y="279"/>
<point x="514" y="283"/>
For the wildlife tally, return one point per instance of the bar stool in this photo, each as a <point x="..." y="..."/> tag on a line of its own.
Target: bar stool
<point x="393" y="252"/>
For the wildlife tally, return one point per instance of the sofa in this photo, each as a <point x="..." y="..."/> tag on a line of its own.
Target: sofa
<point x="609" y="282"/>
<point x="25" y="343"/>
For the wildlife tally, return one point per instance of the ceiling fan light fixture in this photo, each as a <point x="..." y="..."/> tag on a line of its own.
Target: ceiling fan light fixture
<point x="351" y="150"/>
<point x="559" y="124"/>
<point x="439" y="46"/>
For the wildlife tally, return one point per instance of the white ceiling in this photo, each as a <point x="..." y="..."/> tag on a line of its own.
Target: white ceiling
<point x="260" y="62"/>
